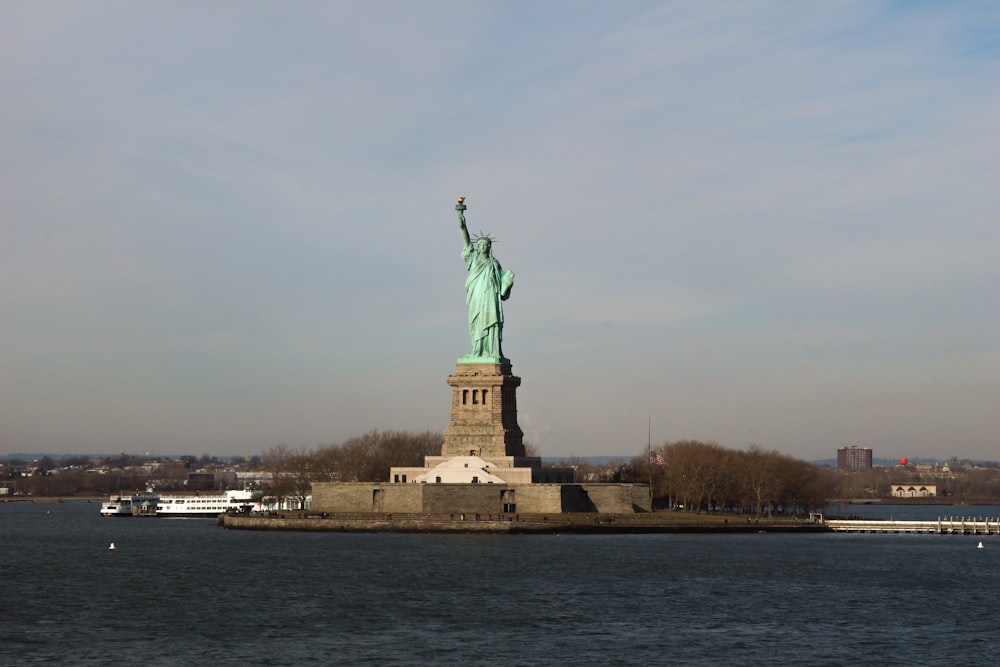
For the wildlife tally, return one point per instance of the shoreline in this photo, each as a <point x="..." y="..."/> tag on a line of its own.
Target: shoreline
<point x="53" y="499"/>
<point x="832" y="501"/>
<point x="577" y="524"/>
<point x="910" y="501"/>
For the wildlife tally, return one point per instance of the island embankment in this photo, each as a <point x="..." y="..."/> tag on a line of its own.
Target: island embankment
<point x="930" y="500"/>
<point x="655" y="522"/>
<point x="53" y="499"/>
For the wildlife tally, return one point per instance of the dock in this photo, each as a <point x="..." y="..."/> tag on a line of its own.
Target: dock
<point x="941" y="526"/>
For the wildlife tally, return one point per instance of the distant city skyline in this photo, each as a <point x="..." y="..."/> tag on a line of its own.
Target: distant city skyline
<point x="830" y="461"/>
<point x="775" y="224"/>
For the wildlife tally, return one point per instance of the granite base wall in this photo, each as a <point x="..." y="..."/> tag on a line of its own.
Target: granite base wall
<point x="471" y="499"/>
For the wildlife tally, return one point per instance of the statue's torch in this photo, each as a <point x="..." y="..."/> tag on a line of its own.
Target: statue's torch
<point x="460" y="207"/>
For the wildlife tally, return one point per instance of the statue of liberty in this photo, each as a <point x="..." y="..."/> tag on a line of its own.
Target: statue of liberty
<point x="486" y="288"/>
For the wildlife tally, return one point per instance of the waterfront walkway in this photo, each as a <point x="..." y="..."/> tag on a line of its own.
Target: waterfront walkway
<point x="943" y="525"/>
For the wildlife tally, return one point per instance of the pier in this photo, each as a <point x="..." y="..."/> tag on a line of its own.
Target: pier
<point x="941" y="526"/>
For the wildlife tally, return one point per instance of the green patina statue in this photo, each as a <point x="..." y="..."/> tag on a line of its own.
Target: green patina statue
<point x="486" y="288"/>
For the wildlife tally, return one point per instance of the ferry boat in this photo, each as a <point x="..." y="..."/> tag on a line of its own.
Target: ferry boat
<point x="128" y="505"/>
<point x="205" y="506"/>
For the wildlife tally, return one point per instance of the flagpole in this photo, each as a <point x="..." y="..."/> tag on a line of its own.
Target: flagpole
<point x="649" y="458"/>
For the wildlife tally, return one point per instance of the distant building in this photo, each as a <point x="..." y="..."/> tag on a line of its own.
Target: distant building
<point x="854" y="458"/>
<point x="914" y="490"/>
<point x="209" y="481"/>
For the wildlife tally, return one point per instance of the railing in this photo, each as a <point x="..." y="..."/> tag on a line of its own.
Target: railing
<point x="943" y="525"/>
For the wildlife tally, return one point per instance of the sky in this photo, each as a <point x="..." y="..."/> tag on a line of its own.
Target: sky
<point x="228" y="225"/>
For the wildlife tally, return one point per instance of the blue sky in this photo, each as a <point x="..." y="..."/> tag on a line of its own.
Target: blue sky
<point x="228" y="225"/>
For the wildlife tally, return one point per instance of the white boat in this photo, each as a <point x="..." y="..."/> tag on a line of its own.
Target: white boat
<point x="123" y="505"/>
<point x="205" y="505"/>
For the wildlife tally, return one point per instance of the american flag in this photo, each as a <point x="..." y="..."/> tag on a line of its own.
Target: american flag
<point x="657" y="459"/>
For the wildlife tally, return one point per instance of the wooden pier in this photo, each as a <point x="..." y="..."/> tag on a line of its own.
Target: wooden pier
<point x="942" y="526"/>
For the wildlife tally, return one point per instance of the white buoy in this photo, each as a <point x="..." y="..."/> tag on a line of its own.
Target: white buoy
<point x="111" y="547"/>
<point x="980" y="545"/>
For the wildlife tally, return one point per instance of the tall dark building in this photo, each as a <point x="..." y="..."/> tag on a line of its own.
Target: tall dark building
<point x="854" y="458"/>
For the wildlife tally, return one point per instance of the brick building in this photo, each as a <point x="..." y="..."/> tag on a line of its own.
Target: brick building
<point x="854" y="459"/>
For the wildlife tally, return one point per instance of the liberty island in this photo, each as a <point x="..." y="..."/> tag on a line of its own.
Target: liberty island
<point x="483" y="472"/>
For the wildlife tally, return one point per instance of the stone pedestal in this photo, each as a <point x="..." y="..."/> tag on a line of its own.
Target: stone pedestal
<point x="483" y="412"/>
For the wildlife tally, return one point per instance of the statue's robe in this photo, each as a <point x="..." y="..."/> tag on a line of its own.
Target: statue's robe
<point x="487" y="286"/>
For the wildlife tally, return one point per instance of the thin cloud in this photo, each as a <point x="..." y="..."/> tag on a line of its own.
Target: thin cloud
<point x="223" y="230"/>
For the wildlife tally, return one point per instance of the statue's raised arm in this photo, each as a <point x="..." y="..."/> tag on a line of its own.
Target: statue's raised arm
<point x="486" y="287"/>
<point x="460" y="207"/>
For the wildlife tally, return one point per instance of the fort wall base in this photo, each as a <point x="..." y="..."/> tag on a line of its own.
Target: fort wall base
<point x="483" y="499"/>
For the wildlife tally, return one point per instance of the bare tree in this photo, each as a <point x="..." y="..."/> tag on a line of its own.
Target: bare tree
<point x="277" y="462"/>
<point x="761" y="479"/>
<point x="300" y="476"/>
<point x="369" y="457"/>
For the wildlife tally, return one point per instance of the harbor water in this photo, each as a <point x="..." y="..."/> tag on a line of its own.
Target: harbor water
<point x="187" y="592"/>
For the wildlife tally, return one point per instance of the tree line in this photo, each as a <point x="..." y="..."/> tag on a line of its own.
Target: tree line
<point x="687" y="475"/>
<point x="364" y="458"/>
<point x="695" y="476"/>
<point x="702" y="476"/>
